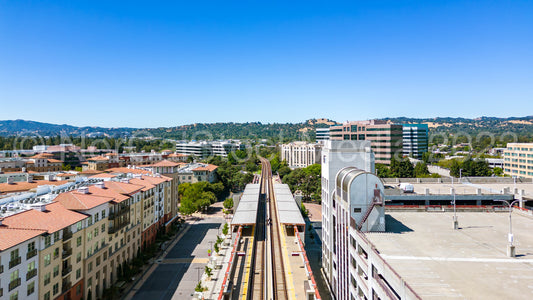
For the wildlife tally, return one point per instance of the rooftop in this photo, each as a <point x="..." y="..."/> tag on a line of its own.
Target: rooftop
<point x="26" y="186"/>
<point x="12" y="237"/>
<point x="471" y="263"/>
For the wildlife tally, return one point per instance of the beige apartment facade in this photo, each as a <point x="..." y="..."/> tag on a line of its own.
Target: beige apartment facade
<point x="518" y="160"/>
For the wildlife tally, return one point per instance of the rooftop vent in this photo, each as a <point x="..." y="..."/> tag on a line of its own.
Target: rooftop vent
<point x="39" y="207"/>
<point x="100" y="185"/>
<point x="83" y="190"/>
<point x="125" y="180"/>
<point x="30" y="178"/>
<point x="10" y="180"/>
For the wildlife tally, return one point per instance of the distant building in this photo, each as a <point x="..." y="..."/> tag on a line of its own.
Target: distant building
<point x="205" y="149"/>
<point x="415" y="140"/>
<point x="385" y="138"/>
<point x="518" y="160"/>
<point x="300" y="154"/>
<point x="495" y="162"/>
<point x="322" y="134"/>
<point x="196" y="172"/>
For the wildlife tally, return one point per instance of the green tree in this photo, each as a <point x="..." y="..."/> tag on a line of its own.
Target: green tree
<point x="421" y="170"/>
<point x="228" y="203"/>
<point x="225" y="229"/>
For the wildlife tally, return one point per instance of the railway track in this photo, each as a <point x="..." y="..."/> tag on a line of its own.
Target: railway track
<point x="268" y="280"/>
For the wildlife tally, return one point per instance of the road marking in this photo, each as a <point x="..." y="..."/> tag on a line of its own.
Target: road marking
<point x="458" y="259"/>
<point x="185" y="261"/>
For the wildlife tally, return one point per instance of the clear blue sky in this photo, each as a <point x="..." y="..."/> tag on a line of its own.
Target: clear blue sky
<point x="157" y="63"/>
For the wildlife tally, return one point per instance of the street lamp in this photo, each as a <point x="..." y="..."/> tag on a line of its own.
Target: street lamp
<point x="510" y="246"/>
<point x="460" y="175"/>
<point x="455" y="221"/>
<point x="198" y="272"/>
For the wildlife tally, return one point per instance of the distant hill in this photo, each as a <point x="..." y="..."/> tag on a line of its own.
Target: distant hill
<point x="31" y="128"/>
<point x="522" y="127"/>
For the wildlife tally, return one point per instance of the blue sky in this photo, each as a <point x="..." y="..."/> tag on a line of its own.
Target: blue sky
<point x="157" y="63"/>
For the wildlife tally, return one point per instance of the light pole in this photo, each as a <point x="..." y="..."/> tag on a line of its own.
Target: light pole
<point x="198" y="272"/>
<point x="455" y="221"/>
<point x="460" y="175"/>
<point x="510" y="246"/>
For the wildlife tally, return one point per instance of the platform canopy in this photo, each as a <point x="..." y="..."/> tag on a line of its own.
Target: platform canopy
<point x="288" y="211"/>
<point x="246" y="212"/>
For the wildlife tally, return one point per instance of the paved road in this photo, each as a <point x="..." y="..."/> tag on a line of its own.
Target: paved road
<point x="313" y="248"/>
<point x="177" y="275"/>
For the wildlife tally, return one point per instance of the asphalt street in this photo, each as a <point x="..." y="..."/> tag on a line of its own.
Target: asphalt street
<point x="177" y="274"/>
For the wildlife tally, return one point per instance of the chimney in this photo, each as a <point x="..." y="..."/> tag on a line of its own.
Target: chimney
<point x="10" y="180"/>
<point x="83" y="190"/>
<point x="30" y="178"/>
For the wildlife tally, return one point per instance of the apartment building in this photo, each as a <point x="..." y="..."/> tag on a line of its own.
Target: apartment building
<point x="385" y="138"/>
<point x="196" y="172"/>
<point x="82" y="237"/>
<point x="300" y="154"/>
<point x="415" y="140"/>
<point x="337" y="155"/>
<point x="19" y="263"/>
<point x="518" y="160"/>
<point x="38" y="163"/>
<point x="59" y="227"/>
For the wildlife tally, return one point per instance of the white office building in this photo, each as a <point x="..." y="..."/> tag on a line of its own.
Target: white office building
<point x="322" y="134"/>
<point x="205" y="149"/>
<point x="300" y="154"/>
<point x="352" y="201"/>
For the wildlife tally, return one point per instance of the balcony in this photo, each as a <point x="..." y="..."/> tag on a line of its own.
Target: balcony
<point x="66" y="286"/>
<point x="31" y="274"/>
<point x="14" y="284"/>
<point x="14" y="262"/>
<point x="67" y="234"/>
<point x="67" y="253"/>
<point x="1" y="269"/>
<point x="66" y="271"/>
<point x="31" y="253"/>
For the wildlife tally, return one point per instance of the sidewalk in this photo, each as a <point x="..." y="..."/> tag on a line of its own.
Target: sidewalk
<point x="215" y="284"/>
<point x="133" y="287"/>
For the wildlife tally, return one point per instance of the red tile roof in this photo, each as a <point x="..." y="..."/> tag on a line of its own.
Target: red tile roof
<point x="42" y="155"/>
<point x="103" y="175"/>
<point x="98" y="158"/>
<point x="54" y="218"/>
<point x="177" y="155"/>
<point x="12" y="236"/>
<point x="124" y="188"/>
<point x="107" y="192"/>
<point x="208" y="167"/>
<point x="26" y="186"/>
<point x="124" y="170"/>
<point x="51" y="160"/>
<point x="147" y="185"/>
<point x="79" y="201"/>
<point x="165" y="163"/>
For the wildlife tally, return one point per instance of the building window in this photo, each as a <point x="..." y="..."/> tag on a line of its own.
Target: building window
<point x="14" y="296"/>
<point x="31" y="288"/>
<point x="55" y="289"/>
<point x="103" y="228"/>
<point x="103" y="214"/>
<point x="79" y="226"/>
<point x="78" y="241"/>
<point x="47" y="259"/>
<point x="56" y="252"/>
<point x="47" y="296"/>
<point x="56" y="271"/>
<point x="47" y="278"/>
<point x="78" y="257"/>
<point x="56" y="236"/>
<point x="78" y="273"/>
